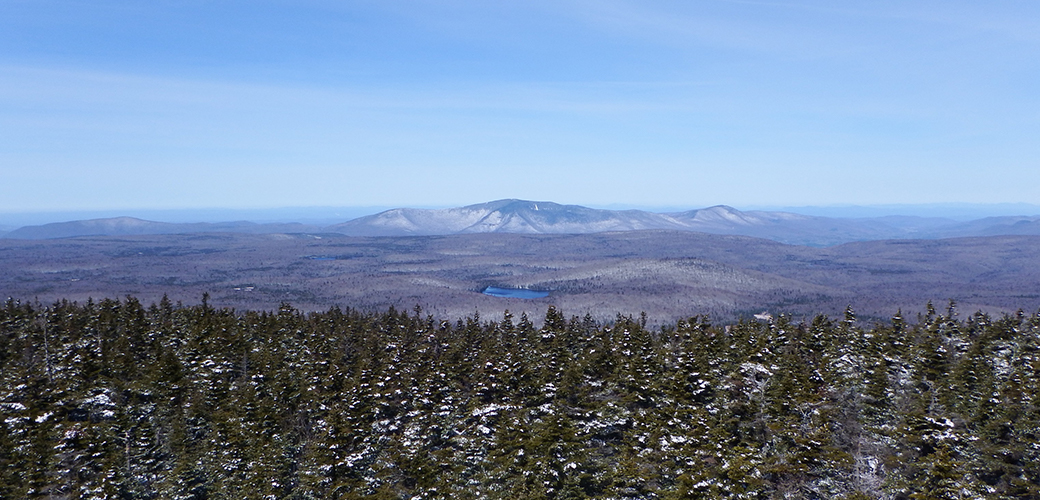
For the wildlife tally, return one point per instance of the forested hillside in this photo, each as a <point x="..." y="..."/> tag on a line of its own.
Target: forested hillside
<point x="117" y="400"/>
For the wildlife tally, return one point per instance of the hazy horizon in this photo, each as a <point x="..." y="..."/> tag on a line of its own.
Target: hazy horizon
<point x="332" y="215"/>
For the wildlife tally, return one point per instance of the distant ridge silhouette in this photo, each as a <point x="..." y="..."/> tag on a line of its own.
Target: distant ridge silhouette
<point x="543" y="217"/>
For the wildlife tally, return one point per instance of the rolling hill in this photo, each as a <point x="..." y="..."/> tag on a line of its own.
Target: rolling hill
<point x="124" y="226"/>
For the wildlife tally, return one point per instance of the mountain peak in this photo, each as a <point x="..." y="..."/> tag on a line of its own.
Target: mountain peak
<point x="516" y="205"/>
<point x="513" y="215"/>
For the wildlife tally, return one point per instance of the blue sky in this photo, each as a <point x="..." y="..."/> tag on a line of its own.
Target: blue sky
<point x="110" y="105"/>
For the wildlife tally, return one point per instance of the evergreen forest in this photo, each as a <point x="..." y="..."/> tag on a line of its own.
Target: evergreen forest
<point x="117" y="400"/>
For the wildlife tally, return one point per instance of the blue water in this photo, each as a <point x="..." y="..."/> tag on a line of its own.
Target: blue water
<point x="515" y="293"/>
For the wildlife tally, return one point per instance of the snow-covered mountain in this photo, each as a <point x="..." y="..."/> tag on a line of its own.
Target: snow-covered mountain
<point x="541" y="217"/>
<point x="504" y="216"/>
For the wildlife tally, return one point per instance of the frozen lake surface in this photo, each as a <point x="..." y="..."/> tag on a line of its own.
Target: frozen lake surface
<point x="515" y="293"/>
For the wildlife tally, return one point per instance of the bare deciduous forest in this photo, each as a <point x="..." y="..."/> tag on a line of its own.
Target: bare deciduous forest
<point x="667" y="274"/>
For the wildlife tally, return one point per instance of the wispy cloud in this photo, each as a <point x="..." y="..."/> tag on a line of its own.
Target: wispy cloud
<point x="407" y="97"/>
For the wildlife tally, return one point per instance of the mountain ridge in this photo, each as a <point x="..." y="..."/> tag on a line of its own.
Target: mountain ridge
<point x="127" y="226"/>
<point x="542" y="217"/>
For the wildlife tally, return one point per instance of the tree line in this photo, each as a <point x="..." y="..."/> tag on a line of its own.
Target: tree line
<point x="113" y="399"/>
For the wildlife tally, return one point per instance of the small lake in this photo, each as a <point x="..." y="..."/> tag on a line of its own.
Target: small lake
<point x="515" y="293"/>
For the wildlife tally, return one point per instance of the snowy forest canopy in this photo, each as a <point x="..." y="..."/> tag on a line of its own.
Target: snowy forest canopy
<point x="112" y="399"/>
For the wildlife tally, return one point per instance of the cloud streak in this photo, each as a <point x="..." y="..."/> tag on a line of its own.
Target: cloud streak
<point x="444" y="104"/>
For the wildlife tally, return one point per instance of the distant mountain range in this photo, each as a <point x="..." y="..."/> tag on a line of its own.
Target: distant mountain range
<point x="531" y="217"/>
<point x="125" y="226"/>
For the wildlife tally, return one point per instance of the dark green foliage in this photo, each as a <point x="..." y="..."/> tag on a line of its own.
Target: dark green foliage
<point x="115" y="400"/>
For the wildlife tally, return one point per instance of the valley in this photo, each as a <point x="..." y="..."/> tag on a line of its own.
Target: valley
<point x="667" y="274"/>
